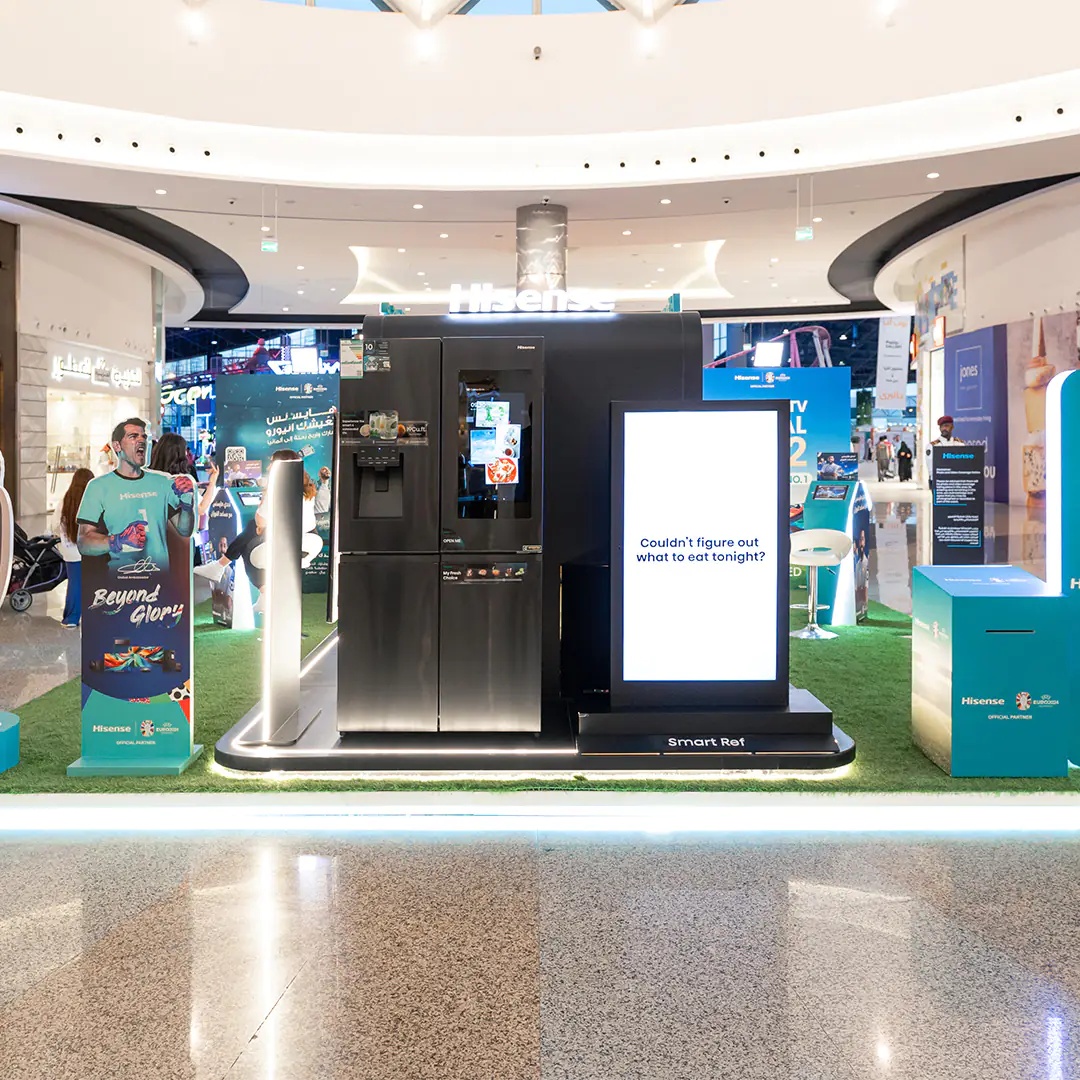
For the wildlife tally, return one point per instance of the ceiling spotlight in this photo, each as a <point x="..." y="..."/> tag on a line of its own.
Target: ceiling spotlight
<point x="299" y="292"/>
<point x="284" y="309"/>
<point x="333" y="289"/>
<point x="665" y="202"/>
<point x="843" y="337"/>
<point x="161" y="191"/>
<point x="626" y="232"/>
<point x="774" y="259"/>
<point x="419" y="273"/>
<point x="418" y="206"/>
<point x="401" y="251"/>
<point x="444" y="236"/>
<point x="817" y="221"/>
<point x="427" y="288"/>
<point x="676" y="245"/>
<point x="648" y="285"/>
<point x="299" y="268"/>
<point x="266" y="228"/>
<point x="774" y="284"/>
<point x="213" y="342"/>
<point x="932" y="175"/>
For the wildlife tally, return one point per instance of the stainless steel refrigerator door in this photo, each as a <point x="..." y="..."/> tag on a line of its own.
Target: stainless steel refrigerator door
<point x="388" y="653"/>
<point x="489" y="652"/>
<point x="493" y="444"/>
<point x="388" y="481"/>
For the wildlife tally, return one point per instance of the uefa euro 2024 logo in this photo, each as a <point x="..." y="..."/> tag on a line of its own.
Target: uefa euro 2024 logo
<point x="1023" y="701"/>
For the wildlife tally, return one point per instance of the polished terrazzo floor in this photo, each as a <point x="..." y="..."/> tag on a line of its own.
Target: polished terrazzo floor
<point x="536" y="955"/>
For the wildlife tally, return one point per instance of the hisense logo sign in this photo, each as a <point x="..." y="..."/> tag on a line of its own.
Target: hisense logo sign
<point x="486" y="298"/>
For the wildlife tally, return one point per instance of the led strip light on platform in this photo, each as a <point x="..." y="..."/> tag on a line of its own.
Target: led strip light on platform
<point x="592" y="812"/>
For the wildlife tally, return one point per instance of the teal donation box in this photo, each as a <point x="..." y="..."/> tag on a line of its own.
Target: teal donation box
<point x="990" y="681"/>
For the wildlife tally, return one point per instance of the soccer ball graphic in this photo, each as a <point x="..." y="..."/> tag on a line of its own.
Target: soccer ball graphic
<point x="146" y="728"/>
<point x="180" y="693"/>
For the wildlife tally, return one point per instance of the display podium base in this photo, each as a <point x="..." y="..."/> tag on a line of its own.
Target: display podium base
<point x="150" y="767"/>
<point x="605" y="741"/>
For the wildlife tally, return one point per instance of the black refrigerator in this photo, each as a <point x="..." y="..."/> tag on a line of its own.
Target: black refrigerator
<point x="440" y="535"/>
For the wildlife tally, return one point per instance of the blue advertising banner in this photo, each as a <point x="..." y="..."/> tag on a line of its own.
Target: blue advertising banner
<point x="257" y="415"/>
<point x="820" y="412"/>
<point x="976" y="396"/>
<point x="137" y="680"/>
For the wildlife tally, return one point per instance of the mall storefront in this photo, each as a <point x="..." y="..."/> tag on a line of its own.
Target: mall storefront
<point x="88" y="392"/>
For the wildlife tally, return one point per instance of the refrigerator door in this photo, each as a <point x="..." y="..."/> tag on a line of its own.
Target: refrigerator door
<point x="388" y="483"/>
<point x="489" y="652"/>
<point x="388" y="653"/>
<point x="492" y="468"/>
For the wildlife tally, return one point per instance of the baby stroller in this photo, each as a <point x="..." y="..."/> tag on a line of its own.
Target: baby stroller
<point x="36" y="568"/>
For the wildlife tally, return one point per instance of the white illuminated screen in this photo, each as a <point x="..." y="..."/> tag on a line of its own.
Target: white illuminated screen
<point x="707" y="483"/>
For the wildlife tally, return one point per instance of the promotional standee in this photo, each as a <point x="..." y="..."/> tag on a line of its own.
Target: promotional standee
<point x="474" y="482"/>
<point x="258" y="414"/>
<point x="135" y="528"/>
<point x="819" y="423"/>
<point x="959" y="507"/>
<point x="838" y="500"/>
<point x="995" y="650"/>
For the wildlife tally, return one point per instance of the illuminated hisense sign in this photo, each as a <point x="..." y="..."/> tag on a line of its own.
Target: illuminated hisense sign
<point x="484" y="298"/>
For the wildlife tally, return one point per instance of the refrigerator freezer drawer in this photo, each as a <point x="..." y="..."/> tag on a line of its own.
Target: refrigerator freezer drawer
<point x="388" y="659"/>
<point x="489" y="666"/>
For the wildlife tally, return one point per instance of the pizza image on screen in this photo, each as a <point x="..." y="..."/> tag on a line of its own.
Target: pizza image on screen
<point x="502" y="470"/>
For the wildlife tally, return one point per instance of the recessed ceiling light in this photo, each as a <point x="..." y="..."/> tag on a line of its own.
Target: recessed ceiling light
<point x="626" y="232"/>
<point x="187" y="327"/>
<point x="775" y="260"/>
<point x="427" y="288"/>
<point x="649" y="285"/>
<point x="444" y="236"/>
<point x="774" y="284"/>
<point x="299" y="268"/>
<point x="843" y="337"/>
<point x="932" y="175"/>
<point x="161" y="191"/>
<point x="665" y="202"/>
<point x="299" y="292"/>
<point x="266" y="228"/>
<point x="213" y="342"/>
<point x="332" y="289"/>
<point x="419" y="273"/>
<point x="817" y="221"/>
<point x="659" y="269"/>
<point x="418" y="206"/>
<point x="284" y="309"/>
<point x="676" y="245"/>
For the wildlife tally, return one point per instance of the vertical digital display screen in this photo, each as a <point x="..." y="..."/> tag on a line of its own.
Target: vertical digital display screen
<point x="701" y="510"/>
<point x="494" y="444"/>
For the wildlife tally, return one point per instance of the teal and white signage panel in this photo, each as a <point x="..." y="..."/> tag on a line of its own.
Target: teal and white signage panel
<point x="990" y="692"/>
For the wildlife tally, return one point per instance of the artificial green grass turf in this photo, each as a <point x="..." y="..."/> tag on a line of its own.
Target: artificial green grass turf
<point x="864" y="675"/>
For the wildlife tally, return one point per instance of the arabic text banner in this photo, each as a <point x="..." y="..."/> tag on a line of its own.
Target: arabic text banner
<point x="258" y="414"/>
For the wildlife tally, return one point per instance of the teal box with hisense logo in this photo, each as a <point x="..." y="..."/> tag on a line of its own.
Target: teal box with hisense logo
<point x="990" y="679"/>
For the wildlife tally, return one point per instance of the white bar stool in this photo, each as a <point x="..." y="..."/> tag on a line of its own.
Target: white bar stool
<point x="814" y="548"/>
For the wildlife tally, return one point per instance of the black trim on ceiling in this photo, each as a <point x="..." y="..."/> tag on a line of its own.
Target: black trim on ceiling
<point x="854" y="270"/>
<point x="839" y="310"/>
<point x="259" y="319"/>
<point x="223" y="281"/>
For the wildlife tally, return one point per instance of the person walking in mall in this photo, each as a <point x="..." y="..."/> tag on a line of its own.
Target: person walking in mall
<point x="904" y="461"/>
<point x="884" y="458"/>
<point x="66" y="526"/>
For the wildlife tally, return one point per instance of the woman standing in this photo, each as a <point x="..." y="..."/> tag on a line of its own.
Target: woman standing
<point x="66" y="526"/>
<point x="171" y="456"/>
<point x="903" y="461"/>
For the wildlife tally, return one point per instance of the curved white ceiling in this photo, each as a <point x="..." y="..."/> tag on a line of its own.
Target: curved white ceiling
<point x="287" y="94"/>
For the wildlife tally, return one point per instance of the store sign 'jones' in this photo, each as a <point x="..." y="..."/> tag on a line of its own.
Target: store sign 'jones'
<point x="484" y="298"/>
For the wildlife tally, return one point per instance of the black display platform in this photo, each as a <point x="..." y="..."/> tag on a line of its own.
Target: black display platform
<point x="607" y="742"/>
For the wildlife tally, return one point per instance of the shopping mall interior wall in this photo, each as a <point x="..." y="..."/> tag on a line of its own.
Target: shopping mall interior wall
<point x="76" y="298"/>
